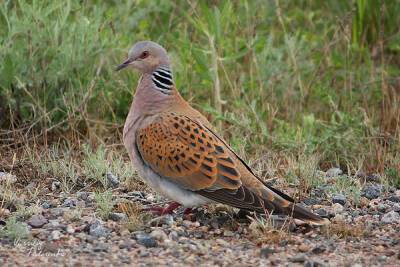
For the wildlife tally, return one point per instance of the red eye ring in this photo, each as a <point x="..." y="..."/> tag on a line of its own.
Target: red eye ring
<point x="144" y="54"/>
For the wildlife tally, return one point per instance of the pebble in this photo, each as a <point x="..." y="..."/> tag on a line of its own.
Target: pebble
<point x="146" y="240"/>
<point x="46" y="205"/>
<point x="228" y="233"/>
<point x="173" y="235"/>
<point x="322" y="212"/>
<point x="372" y="191"/>
<point x="127" y="244"/>
<point x="70" y="229"/>
<point x="96" y="229"/>
<point x="222" y="242"/>
<point x="313" y="264"/>
<point x="69" y="202"/>
<point x="372" y="178"/>
<point x="266" y="252"/>
<point x="55" y="185"/>
<point x="118" y="216"/>
<point x="381" y="207"/>
<point x="304" y="248"/>
<point x="57" y="212"/>
<point x="333" y="172"/>
<point x="396" y="207"/>
<point x="82" y="195"/>
<point x="391" y="217"/>
<point x="101" y="247"/>
<point x="37" y="221"/>
<point x="7" y="178"/>
<point x="318" y="249"/>
<point x="159" y="235"/>
<point x="300" y="257"/>
<point x="4" y="213"/>
<point x="311" y="201"/>
<point x="337" y="208"/>
<point x="167" y="219"/>
<point x="55" y="235"/>
<point x="112" y="180"/>
<point x="339" y="198"/>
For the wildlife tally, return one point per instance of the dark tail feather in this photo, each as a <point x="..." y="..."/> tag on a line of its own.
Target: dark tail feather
<point x="301" y="213"/>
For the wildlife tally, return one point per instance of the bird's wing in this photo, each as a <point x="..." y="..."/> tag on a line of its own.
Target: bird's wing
<point x="187" y="153"/>
<point x="179" y="149"/>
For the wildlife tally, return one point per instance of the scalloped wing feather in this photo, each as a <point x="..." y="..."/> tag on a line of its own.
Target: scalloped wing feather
<point x="187" y="153"/>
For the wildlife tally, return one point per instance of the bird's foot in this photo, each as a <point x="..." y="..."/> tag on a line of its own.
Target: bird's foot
<point x="162" y="211"/>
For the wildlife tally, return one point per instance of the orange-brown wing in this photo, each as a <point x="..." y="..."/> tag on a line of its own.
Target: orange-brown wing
<point x="187" y="153"/>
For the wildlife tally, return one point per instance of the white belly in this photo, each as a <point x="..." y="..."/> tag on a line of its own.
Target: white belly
<point x="169" y="189"/>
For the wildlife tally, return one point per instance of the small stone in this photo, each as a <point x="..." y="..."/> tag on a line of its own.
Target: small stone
<point x="322" y="213"/>
<point x="118" y="217"/>
<point x="339" y="218"/>
<point x="69" y="202"/>
<point x="55" y="235"/>
<point x="222" y="242"/>
<point x="396" y="207"/>
<point x="146" y="240"/>
<point x="37" y="221"/>
<point x="101" y="247"/>
<point x="300" y="257"/>
<point x="313" y="264"/>
<point x="112" y="180"/>
<point x="372" y="191"/>
<point x="159" y="235"/>
<point x="304" y="248"/>
<point x="46" y="205"/>
<point x="167" y="219"/>
<point x="55" y="185"/>
<point x="82" y="195"/>
<point x="53" y="224"/>
<point x="127" y="244"/>
<point x="339" y="198"/>
<point x="311" y="201"/>
<point x="144" y="253"/>
<point x="333" y="172"/>
<point x="318" y="249"/>
<point x="395" y="199"/>
<point x="96" y="229"/>
<point x="372" y="178"/>
<point x="391" y="217"/>
<point x="381" y="207"/>
<point x="382" y="258"/>
<point x="266" y="252"/>
<point x="7" y="178"/>
<point x="337" y="208"/>
<point x="4" y="213"/>
<point x="173" y="235"/>
<point x="228" y="233"/>
<point x="70" y="229"/>
<point x="57" y="212"/>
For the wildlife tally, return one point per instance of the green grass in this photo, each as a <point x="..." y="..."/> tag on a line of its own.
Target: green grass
<point x="104" y="203"/>
<point x="296" y="77"/>
<point x="14" y="229"/>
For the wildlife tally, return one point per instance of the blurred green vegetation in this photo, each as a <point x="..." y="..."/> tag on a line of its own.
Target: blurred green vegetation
<point x="297" y="76"/>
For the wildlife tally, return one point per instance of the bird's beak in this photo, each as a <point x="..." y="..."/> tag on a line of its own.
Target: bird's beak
<point x="123" y="64"/>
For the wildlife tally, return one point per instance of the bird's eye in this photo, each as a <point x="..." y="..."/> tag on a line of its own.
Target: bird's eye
<point x="144" y="54"/>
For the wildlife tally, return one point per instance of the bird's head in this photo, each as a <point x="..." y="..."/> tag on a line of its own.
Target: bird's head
<point x="145" y="56"/>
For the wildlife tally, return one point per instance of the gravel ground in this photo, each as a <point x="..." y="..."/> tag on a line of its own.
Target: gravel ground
<point x="65" y="229"/>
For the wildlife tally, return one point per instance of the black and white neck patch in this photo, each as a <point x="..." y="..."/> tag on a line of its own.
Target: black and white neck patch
<point x="162" y="79"/>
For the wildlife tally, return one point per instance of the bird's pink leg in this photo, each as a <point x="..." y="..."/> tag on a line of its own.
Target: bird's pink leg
<point x="162" y="211"/>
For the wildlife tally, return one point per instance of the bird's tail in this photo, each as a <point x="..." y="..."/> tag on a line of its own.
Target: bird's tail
<point x="301" y="213"/>
<point x="283" y="204"/>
